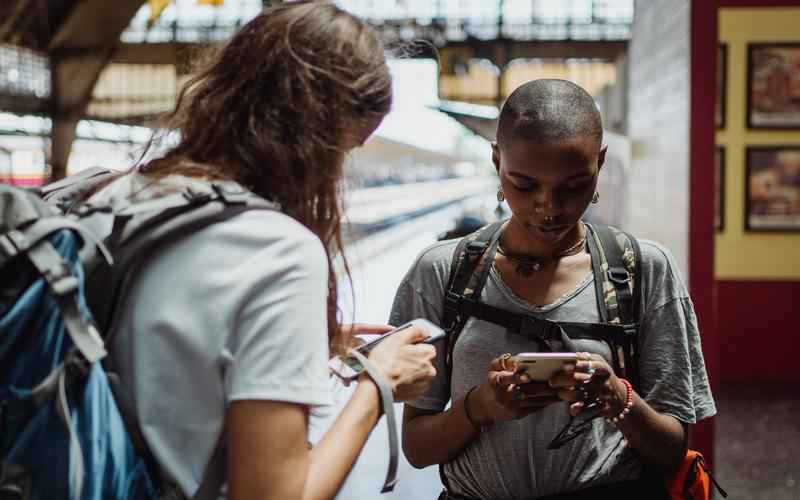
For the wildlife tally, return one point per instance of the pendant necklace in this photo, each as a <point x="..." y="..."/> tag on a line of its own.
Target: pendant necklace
<point x="526" y="265"/>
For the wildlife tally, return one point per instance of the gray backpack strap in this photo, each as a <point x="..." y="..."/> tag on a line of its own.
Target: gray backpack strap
<point x="65" y="286"/>
<point x="616" y="263"/>
<point x="71" y="191"/>
<point x="216" y="472"/>
<point x="387" y="402"/>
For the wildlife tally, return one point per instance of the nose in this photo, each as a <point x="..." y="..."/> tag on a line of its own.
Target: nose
<point x="545" y="203"/>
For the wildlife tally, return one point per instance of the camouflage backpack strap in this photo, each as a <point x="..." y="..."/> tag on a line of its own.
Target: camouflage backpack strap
<point x="469" y="268"/>
<point x="616" y="263"/>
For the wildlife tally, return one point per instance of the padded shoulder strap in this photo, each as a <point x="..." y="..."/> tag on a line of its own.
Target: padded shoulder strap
<point x="469" y="269"/>
<point x="616" y="263"/>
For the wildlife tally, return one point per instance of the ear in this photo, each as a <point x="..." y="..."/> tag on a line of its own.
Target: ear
<point x="601" y="158"/>
<point x="496" y="157"/>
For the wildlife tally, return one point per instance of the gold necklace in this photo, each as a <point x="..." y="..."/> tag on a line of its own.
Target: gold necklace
<point x="526" y="265"/>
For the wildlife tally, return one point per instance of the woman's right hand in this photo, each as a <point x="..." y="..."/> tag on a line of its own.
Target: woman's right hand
<point x="406" y="363"/>
<point x="508" y="394"/>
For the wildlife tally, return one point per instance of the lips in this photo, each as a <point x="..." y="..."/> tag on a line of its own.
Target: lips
<point x="552" y="229"/>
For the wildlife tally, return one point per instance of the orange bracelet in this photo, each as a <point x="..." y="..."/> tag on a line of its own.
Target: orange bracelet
<point x="628" y="404"/>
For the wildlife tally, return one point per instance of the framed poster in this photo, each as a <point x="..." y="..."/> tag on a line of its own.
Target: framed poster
<point x="722" y="71"/>
<point x="772" y="199"/>
<point x="719" y="188"/>
<point x="773" y="85"/>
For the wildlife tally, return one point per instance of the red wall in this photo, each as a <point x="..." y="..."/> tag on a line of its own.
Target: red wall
<point x="703" y="52"/>
<point x="757" y="322"/>
<point x="759" y="331"/>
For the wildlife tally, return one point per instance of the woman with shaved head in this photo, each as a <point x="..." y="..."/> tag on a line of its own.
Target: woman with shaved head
<point x="499" y="437"/>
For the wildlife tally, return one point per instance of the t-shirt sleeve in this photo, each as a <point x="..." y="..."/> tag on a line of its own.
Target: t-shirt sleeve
<point x="279" y="347"/>
<point x="420" y="295"/>
<point x="673" y="372"/>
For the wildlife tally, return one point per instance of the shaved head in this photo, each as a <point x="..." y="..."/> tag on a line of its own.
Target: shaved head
<point x="549" y="110"/>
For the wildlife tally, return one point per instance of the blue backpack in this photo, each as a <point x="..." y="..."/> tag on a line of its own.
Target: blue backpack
<point x="65" y="432"/>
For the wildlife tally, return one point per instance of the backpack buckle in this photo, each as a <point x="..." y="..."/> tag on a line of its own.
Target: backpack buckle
<point x="451" y="303"/>
<point x="7" y="247"/>
<point x="619" y="275"/>
<point x="61" y="280"/>
<point x="474" y="248"/>
<point x="195" y="195"/>
<point x="230" y="192"/>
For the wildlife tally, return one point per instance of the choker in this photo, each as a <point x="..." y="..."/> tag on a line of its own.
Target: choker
<point x="526" y="265"/>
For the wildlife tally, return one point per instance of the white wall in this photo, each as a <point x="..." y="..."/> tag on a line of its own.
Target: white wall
<point x="658" y="119"/>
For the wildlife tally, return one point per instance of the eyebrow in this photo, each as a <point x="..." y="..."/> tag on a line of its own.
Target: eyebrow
<point x="573" y="178"/>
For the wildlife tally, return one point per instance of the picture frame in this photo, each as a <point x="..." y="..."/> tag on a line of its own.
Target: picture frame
<point x="719" y="188"/>
<point x="722" y="84"/>
<point x="773" y="85"/>
<point x="772" y="188"/>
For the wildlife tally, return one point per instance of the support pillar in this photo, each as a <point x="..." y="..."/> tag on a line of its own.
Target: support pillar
<point x="73" y="78"/>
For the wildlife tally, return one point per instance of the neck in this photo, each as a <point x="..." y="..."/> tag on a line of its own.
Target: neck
<point x="518" y="240"/>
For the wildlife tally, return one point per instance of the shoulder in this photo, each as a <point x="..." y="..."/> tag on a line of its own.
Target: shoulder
<point x="270" y="235"/>
<point x="662" y="281"/>
<point x="433" y="261"/>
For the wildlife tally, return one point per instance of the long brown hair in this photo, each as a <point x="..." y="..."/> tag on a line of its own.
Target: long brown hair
<point x="269" y="110"/>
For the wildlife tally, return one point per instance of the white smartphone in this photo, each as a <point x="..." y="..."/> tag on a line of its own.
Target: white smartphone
<point x="346" y="366"/>
<point x="540" y="366"/>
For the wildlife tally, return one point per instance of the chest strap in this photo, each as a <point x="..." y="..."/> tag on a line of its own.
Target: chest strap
<point x="543" y="330"/>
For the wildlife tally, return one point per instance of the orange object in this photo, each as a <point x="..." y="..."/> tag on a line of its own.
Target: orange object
<point x="156" y="8"/>
<point x="693" y="479"/>
<point x="210" y="2"/>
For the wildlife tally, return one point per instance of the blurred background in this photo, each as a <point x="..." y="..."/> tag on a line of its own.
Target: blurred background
<point x="701" y="107"/>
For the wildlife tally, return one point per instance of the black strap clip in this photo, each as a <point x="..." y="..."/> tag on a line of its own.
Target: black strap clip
<point x="619" y="275"/>
<point x="87" y="209"/>
<point x="230" y="193"/>
<point x="198" y="196"/>
<point x="630" y="329"/>
<point x="452" y="301"/>
<point x="474" y="249"/>
<point x="539" y="329"/>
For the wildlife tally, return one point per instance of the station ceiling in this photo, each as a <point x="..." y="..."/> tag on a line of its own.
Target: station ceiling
<point x="102" y="60"/>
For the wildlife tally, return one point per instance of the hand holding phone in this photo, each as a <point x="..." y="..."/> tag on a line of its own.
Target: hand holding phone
<point x="541" y="366"/>
<point x="347" y="367"/>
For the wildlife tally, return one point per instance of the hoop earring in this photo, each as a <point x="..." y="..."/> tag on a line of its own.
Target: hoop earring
<point x="596" y="197"/>
<point x="501" y="196"/>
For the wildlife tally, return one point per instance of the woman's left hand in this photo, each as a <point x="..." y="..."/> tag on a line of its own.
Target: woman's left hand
<point x="590" y="379"/>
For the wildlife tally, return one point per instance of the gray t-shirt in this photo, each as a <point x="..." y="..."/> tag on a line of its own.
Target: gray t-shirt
<point x="511" y="460"/>
<point x="236" y="311"/>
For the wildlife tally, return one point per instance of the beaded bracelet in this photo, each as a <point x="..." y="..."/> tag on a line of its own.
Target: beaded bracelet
<point x="628" y="404"/>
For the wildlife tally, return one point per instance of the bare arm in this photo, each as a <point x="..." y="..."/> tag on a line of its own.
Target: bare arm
<point x="268" y="452"/>
<point x="435" y="437"/>
<point x="659" y="439"/>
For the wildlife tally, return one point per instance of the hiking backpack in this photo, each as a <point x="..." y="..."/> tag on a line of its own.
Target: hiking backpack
<point x="65" y="431"/>
<point x="616" y="266"/>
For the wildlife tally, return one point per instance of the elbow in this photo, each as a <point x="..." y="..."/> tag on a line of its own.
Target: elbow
<point x="674" y="460"/>
<point x="415" y="455"/>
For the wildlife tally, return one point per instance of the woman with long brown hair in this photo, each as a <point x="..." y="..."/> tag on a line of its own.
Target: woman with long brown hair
<point x="226" y="334"/>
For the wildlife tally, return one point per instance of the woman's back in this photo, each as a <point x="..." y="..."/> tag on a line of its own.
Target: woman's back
<point x="234" y="311"/>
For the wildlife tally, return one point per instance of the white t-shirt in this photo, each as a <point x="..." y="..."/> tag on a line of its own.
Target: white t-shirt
<point x="235" y="311"/>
